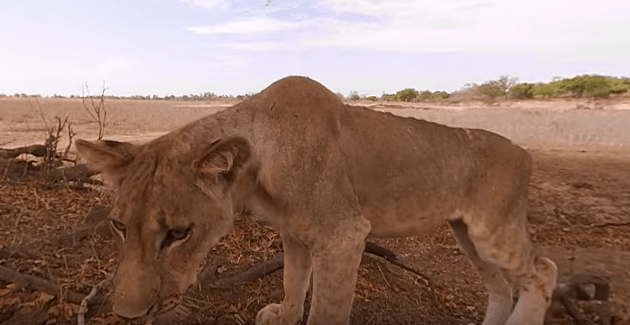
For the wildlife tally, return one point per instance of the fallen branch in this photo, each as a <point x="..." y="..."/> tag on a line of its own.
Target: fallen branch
<point x="8" y="275"/>
<point x="37" y="150"/>
<point x="209" y="279"/>
<point x="95" y="221"/>
<point x="389" y="256"/>
<point x="610" y="224"/>
<point x="101" y="301"/>
<point x="384" y="252"/>
<point x="83" y="307"/>
<point x="25" y="253"/>
<point x="76" y="238"/>
<point x="567" y="293"/>
<point x="78" y="173"/>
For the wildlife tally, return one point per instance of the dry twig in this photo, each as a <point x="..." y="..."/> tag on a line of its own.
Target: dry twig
<point x="83" y="307"/>
<point x="71" y="135"/>
<point x="388" y="255"/>
<point x="610" y="224"/>
<point x="209" y="279"/>
<point x="208" y="276"/>
<point x="96" y="109"/>
<point x="78" y="173"/>
<point x="36" y="150"/>
<point x="574" y="290"/>
<point x="8" y="275"/>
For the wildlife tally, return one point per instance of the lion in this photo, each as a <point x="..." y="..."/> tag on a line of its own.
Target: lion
<point x="327" y="176"/>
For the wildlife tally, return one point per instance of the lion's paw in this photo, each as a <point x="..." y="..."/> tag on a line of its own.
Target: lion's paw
<point x="273" y="314"/>
<point x="270" y="315"/>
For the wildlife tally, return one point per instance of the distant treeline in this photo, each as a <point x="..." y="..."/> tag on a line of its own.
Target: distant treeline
<point x="592" y="86"/>
<point x="204" y="96"/>
<point x="581" y="86"/>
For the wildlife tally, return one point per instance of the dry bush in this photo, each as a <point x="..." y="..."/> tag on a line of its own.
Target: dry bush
<point x="96" y="108"/>
<point x="354" y="95"/>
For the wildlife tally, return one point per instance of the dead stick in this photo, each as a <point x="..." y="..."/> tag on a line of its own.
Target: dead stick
<point x="8" y="275"/>
<point x="76" y="173"/>
<point x="563" y="294"/>
<point x="83" y="307"/>
<point x="567" y="293"/>
<point x="36" y="150"/>
<point x="388" y="255"/>
<point x="256" y="272"/>
<point x="374" y="249"/>
<point x="277" y="262"/>
<point x="410" y="269"/>
<point x="610" y="224"/>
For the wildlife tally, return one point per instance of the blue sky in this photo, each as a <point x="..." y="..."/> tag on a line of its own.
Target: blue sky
<point x="179" y="47"/>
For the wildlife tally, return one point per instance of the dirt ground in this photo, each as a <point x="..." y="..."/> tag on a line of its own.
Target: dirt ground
<point x="580" y="192"/>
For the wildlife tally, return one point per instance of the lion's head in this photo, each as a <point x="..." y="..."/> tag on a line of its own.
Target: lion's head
<point x="172" y="205"/>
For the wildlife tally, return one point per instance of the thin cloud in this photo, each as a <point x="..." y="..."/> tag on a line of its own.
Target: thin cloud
<point x="256" y="46"/>
<point x="289" y="4"/>
<point x="205" y="4"/>
<point x="429" y="26"/>
<point x="299" y="16"/>
<point x="376" y="8"/>
<point x="458" y="25"/>
<point x="223" y="61"/>
<point x="253" y="25"/>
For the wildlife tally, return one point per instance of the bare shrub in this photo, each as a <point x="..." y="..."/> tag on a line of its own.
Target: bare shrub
<point x="54" y="131"/>
<point x="95" y="108"/>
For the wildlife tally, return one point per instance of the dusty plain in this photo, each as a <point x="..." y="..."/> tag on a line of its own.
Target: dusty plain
<point x="579" y="215"/>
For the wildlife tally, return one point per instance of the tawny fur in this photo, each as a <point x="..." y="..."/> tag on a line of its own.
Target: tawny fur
<point x="327" y="175"/>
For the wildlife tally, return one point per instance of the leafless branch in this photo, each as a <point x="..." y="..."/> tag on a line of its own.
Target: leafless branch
<point x="96" y="109"/>
<point x="8" y="275"/>
<point x="36" y="150"/>
<point x="610" y="224"/>
<point x="71" y="135"/>
<point x="52" y="143"/>
<point x="83" y="307"/>
<point x="574" y="289"/>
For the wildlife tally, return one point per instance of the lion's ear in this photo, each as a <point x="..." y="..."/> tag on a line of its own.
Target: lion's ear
<point x="108" y="157"/>
<point x="224" y="158"/>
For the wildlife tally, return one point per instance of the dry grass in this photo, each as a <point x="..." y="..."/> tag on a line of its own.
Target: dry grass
<point x="532" y="123"/>
<point x="19" y="119"/>
<point x="533" y="127"/>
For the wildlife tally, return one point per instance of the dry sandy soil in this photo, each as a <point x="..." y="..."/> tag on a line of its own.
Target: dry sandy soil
<point x="580" y="190"/>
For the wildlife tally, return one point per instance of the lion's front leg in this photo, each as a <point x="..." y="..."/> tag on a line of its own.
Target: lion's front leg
<point x="297" y="275"/>
<point x="334" y="280"/>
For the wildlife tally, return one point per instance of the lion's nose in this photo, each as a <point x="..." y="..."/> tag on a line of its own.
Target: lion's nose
<point x="131" y="311"/>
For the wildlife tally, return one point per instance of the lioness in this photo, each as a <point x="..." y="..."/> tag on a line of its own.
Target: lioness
<point x="327" y="175"/>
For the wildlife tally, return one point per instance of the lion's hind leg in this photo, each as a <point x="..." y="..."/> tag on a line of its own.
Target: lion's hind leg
<point x="498" y="286"/>
<point x="505" y="242"/>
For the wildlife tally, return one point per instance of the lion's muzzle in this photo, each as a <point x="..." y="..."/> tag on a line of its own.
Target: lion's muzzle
<point x="136" y="292"/>
<point x="131" y="310"/>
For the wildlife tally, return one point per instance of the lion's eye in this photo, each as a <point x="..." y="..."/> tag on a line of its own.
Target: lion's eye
<point x="179" y="234"/>
<point x="176" y="234"/>
<point x="118" y="226"/>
